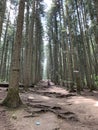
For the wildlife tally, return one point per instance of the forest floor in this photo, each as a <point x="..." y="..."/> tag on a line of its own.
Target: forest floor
<point x="51" y="108"/>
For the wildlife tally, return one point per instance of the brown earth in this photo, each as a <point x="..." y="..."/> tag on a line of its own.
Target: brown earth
<point x="51" y="108"/>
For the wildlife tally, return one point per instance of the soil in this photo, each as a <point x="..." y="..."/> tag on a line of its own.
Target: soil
<point x="51" y="108"/>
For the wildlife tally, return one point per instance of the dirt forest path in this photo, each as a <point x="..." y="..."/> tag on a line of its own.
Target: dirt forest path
<point x="51" y="108"/>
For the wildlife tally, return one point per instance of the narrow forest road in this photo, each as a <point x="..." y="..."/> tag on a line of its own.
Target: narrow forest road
<point x="51" y="108"/>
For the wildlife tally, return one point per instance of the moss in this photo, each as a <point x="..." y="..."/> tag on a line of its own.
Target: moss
<point x="12" y="99"/>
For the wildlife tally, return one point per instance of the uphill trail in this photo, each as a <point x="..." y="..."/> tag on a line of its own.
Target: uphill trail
<point x="51" y="108"/>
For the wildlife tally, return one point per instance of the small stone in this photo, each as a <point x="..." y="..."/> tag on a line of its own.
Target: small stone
<point x="30" y="98"/>
<point x="14" y="116"/>
<point x="37" y="123"/>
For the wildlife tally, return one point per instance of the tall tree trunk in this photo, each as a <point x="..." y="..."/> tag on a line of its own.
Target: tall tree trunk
<point x="29" y="48"/>
<point x="96" y="33"/>
<point x="13" y="99"/>
<point x="4" y="49"/>
<point x="2" y="13"/>
<point x="3" y="74"/>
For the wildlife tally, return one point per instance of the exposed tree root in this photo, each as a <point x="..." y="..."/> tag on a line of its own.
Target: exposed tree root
<point x="61" y="113"/>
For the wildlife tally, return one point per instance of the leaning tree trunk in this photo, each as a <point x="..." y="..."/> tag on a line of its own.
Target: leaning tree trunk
<point x="13" y="100"/>
<point x="4" y="49"/>
<point x="2" y="13"/>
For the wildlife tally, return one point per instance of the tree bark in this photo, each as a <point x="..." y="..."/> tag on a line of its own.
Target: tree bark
<point x="2" y="13"/>
<point x="13" y="99"/>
